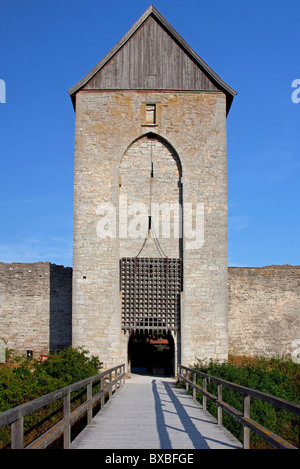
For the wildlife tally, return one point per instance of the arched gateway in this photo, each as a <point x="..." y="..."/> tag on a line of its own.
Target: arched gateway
<point x="150" y="203"/>
<point x="150" y="194"/>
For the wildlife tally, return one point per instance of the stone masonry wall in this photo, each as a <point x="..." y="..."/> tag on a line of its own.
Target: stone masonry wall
<point x="263" y="316"/>
<point x="264" y="310"/>
<point x="25" y="304"/>
<point x="35" y="307"/>
<point x="154" y="194"/>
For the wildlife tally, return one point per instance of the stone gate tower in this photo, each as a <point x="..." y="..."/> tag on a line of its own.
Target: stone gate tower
<point x="150" y="201"/>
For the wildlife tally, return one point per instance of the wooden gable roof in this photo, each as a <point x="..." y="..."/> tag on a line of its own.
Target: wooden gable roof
<point x="153" y="56"/>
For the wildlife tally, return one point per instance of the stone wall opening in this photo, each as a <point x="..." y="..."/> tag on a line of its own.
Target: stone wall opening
<point x="151" y="352"/>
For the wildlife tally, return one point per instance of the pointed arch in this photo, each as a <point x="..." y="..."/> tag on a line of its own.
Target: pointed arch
<point x="150" y="174"/>
<point x="163" y="140"/>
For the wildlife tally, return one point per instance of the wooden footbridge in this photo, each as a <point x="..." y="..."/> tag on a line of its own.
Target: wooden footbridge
<point x="146" y="412"/>
<point x="152" y="413"/>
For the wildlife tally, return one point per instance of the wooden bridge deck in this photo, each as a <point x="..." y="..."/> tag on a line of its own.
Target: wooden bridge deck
<point x="151" y="413"/>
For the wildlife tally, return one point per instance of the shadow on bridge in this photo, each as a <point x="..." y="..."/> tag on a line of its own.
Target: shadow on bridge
<point x="151" y="412"/>
<point x="168" y="404"/>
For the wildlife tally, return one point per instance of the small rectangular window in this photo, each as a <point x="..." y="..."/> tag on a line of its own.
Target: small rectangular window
<point x="150" y="113"/>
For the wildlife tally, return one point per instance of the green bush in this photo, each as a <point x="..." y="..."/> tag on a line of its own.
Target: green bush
<point x="278" y="377"/>
<point x="24" y="380"/>
<point x="28" y="379"/>
<point x="67" y="367"/>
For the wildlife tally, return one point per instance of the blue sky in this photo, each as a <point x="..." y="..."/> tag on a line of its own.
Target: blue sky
<point x="48" y="46"/>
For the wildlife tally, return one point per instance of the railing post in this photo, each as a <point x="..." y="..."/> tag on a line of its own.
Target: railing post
<point x="102" y="395"/>
<point x="187" y="377"/>
<point x="66" y="414"/>
<point x="246" y="430"/>
<point x="17" y="434"/>
<point x="118" y="372"/>
<point x="110" y="386"/>
<point x="204" y="400"/>
<point x="122" y="370"/>
<point x="194" y="389"/>
<point x="90" y="403"/>
<point x="220" y="410"/>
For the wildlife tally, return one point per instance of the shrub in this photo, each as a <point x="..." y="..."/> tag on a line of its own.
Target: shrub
<point x="279" y="377"/>
<point x="24" y="380"/>
<point x="67" y="367"/>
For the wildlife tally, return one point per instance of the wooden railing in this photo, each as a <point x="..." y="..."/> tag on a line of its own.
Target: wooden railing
<point x="110" y="381"/>
<point x="189" y="375"/>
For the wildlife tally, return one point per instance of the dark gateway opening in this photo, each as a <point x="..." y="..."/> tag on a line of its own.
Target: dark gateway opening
<point x="151" y="353"/>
